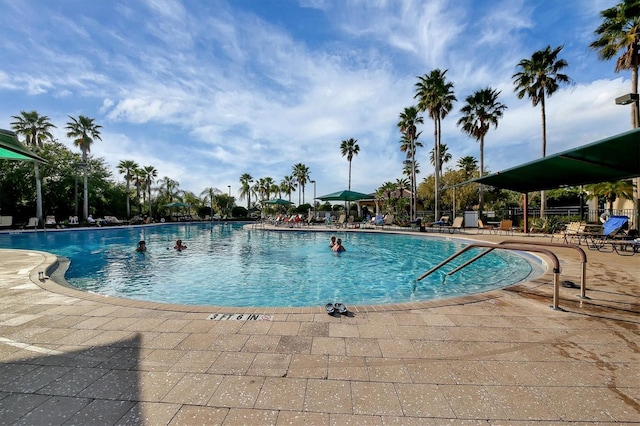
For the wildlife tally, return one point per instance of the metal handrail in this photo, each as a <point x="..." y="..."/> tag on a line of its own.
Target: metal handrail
<point x="583" y="257"/>
<point x="551" y="255"/>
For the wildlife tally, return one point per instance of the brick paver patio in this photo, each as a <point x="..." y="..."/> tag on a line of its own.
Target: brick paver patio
<point x="504" y="357"/>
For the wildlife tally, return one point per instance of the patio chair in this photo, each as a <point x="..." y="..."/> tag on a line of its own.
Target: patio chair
<point x="482" y="227"/>
<point x="6" y="221"/>
<point x="457" y="224"/>
<point x="340" y="222"/>
<point x="386" y="221"/>
<point x="444" y="221"/>
<point x="506" y="226"/>
<point x="570" y="231"/>
<point x="50" y="221"/>
<point x="611" y="233"/>
<point x="33" y="223"/>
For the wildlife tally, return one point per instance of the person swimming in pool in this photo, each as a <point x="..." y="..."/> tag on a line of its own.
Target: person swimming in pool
<point x="142" y="247"/>
<point x="179" y="246"/>
<point x="332" y="242"/>
<point x="338" y="247"/>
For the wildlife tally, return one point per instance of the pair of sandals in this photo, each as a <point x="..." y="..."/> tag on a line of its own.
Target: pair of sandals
<point x="337" y="307"/>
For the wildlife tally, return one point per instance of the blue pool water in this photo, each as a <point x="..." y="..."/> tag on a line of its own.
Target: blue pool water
<point x="228" y="265"/>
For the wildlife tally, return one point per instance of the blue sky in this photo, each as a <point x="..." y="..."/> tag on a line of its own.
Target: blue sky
<point x="205" y="91"/>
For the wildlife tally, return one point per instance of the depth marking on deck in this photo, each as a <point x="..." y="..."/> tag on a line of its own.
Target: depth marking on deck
<point x="239" y="317"/>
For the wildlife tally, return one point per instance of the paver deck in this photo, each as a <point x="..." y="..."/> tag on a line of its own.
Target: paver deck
<point x="503" y="357"/>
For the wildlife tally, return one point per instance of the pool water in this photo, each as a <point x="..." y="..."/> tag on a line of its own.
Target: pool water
<point x="227" y="265"/>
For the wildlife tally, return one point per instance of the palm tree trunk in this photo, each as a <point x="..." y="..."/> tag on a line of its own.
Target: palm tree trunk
<point x="85" y="210"/>
<point x="543" y="195"/>
<point x="437" y="174"/>
<point x="128" y="201"/>
<point x="481" y="202"/>
<point x="36" y="171"/>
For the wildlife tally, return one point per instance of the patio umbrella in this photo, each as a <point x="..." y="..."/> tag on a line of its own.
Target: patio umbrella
<point x="12" y="149"/>
<point x="344" y="195"/>
<point x="278" y="201"/>
<point x="176" y="204"/>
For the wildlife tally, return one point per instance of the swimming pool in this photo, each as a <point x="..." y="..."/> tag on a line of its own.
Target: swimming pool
<point x="227" y="265"/>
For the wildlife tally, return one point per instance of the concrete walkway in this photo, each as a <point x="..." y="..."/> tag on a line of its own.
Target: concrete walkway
<point x="504" y="357"/>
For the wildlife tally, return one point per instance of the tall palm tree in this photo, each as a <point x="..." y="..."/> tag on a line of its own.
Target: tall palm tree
<point x="245" y="188"/>
<point x="301" y="173"/>
<point x="539" y="77"/>
<point x="150" y="175"/>
<point x="469" y="165"/>
<point x="445" y="156"/>
<point x="349" y="148"/>
<point x="36" y="130"/>
<point x="288" y="185"/>
<point x="267" y="186"/>
<point x="84" y="131"/>
<point x="435" y="95"/>
<point x="619" y="34"/>
<point x="209" y="194"/>
<point x="482" y="109"/>
<point x="127" y="168"/>
<point x="409" y="119"/>
<point x="138" y="180"/>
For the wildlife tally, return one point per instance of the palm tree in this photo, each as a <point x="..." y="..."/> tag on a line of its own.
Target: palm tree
<point x="84" y="131"/>
<point x="435" y="95"/>
<point x="127" y="168"/>
<point x="610" y="191"/>
<point x="301" y="173"/>
<point x="208" y="194"/>
<point x="138" y="180"/>
<point x="245" y="188"/>
<point x="288" y="185"/>
<point x="539" y="77"/>
<point x="36" y="130"/>
<point x="445" y="156"/>
<point x="469" y="165"/>
<point x="409" y="119"/>
<point x="349" y="148"/>
<point x="481" y="110"/>
<point x="619" y="33"/>
<point x="150" y="174"/>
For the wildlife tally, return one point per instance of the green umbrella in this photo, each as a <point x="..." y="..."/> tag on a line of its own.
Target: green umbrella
<point x="12" y="149"/>
<point x="344" y="195"/>
<point x="278" y="201"/>
<point x="176" y="204"/>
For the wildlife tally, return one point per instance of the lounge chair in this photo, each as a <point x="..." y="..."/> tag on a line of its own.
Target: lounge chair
<point x="33" y="223"/>
<point x="457" y="224"/>
<point x="340" y="222"/>
<point x="386" y="221"/>
<point x="6" y="221"/>
<point x="482" y="227"/>
<point x="444" y="221"/>
<point x="570" y="231"/>
<point x="50" y="221"/>
<point x="611" y="234"/>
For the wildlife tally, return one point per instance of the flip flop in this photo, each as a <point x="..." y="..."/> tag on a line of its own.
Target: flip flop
<point x="341" y="308"/>
<point x="330" y="308"/>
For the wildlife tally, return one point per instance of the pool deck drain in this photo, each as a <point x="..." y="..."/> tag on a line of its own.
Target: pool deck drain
<point x="502" y="357"/>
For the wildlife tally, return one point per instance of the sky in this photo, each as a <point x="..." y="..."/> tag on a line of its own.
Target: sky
<point x="207" y="90"/>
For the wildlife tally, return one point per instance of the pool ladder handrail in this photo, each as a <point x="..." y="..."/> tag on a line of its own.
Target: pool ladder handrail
<point x="581" y="252"/>
<point x="523" y="247"/>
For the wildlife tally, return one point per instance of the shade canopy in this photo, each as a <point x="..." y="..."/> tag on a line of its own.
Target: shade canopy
<point x="610" y="159"/>
<point x="344" y="195"/>
<point x="278" y="201"/>
<point x="12" y="149"/>
<point x="176" y="204"/>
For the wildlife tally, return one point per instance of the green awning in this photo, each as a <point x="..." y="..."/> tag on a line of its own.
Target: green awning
<point x="610" y="159"/>
<point x="12" y="149"/>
